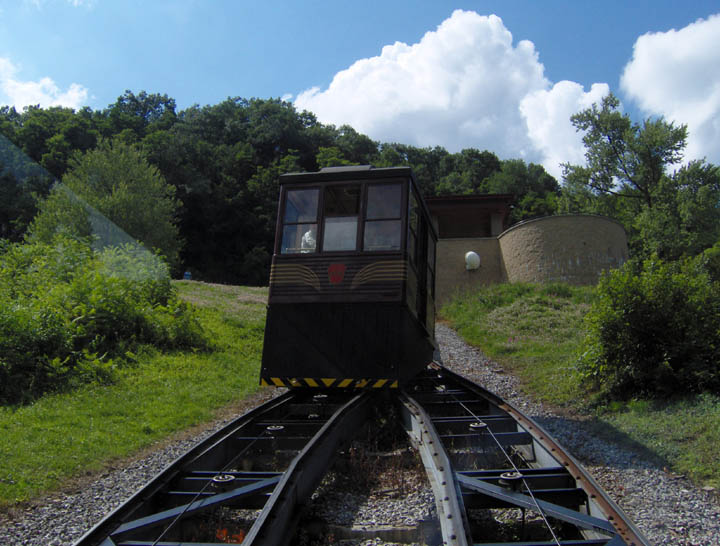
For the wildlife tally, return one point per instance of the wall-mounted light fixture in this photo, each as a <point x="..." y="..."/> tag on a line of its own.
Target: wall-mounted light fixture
<point x="472" y="261"/>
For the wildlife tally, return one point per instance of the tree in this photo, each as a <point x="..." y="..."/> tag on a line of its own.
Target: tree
<point x="477" y="166"/>
<point x="624" y="158"/>
<point x="685" y="219"/>
<point x="626" y="177"/>
<point x="50" y="136"/>
<point x="534" y="189"/>
<point x="356" y="148"/>
<point x="21" y="182"/>
<point x="115" y="180"/>
<point x="10" y="121"/>
<point x="331" y="156"/>
<point x="140" y="114"/>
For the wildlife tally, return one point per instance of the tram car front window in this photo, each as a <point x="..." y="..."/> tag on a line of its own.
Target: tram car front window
<point x="300" y="221"/>
<point x="351" y="299"/>
<point x="340" y="217"/>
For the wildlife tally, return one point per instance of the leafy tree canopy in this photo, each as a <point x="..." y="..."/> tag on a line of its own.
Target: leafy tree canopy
<point x="627" y="177"/>
<point x="115" y="180"/>
<point x="220" y="159"/>
<point x="624" y="158"/>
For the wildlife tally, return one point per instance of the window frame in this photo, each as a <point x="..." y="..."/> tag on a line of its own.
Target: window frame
<point x="323" y="218"/>
<point x="405" y="184"/>
<point x="281" y="224"/>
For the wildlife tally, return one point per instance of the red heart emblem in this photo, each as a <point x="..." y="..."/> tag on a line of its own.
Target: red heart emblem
<point x="336" y="273"/>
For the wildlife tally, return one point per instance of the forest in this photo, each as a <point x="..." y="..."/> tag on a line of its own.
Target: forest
<point x="204" y="193"/>
<point x="199" y="187"/>
<point x="219" y="166"/>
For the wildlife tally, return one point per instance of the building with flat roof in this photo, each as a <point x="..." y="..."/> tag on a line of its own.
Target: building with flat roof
<point x="569" y="248"/>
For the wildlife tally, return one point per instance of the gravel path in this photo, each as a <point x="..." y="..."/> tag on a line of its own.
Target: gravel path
<point x="668" y="509"/>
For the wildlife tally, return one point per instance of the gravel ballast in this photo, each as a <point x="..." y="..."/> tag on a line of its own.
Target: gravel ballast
<point x="668" y="509"/>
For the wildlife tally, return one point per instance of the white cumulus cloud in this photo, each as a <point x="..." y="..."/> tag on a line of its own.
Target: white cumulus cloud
<point x="463" y="85"/>
<point x="676" y="74"/>
<point x="547" y="114"/>
<point x="45" y="92"/>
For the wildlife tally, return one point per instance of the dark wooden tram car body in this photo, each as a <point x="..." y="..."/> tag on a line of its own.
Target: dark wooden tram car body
<point x="352" y="283"/>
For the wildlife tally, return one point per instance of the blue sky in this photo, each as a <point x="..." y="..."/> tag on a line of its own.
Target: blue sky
<point x="328" y="56"/>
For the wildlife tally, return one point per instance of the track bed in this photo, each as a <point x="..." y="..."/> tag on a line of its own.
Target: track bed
<point x="496" y="476"/>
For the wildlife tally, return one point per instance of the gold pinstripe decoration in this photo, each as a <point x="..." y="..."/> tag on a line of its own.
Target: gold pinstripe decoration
<point x="328" y="382"/>
<point x="390" y="270"/>
<point x="294" y="274"/>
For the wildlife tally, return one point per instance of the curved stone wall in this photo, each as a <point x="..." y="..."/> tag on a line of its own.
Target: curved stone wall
<point x="571" y="248"/>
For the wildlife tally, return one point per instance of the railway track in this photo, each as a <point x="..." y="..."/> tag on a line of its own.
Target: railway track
<point x="497" y="477"/>
<point x="482" y="454"/>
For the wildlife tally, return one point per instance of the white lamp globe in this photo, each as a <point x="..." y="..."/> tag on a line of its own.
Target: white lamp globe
<point x="472" y="260"/>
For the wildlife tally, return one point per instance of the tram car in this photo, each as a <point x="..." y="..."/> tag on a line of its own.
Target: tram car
<point x="352" y="284"/>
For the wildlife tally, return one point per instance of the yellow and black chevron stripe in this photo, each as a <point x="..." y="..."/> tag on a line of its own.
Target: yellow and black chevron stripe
<point x="390" y="270"/>
<point x="294" y="274"/>
<point x="329" y="382"/>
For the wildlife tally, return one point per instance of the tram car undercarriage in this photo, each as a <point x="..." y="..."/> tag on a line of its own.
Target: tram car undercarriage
<point x="352" y="283"/>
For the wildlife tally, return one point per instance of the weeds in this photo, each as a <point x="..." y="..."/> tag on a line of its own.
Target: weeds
<point x="536" y="330"/>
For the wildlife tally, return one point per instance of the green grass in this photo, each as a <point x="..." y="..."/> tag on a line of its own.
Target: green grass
<point x="536" y="332"/>
<point x="533" y="330"/>
<point x="66" y="435"/>
<point x="684" y="433"/>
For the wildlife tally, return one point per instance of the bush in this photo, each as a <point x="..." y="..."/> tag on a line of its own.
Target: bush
<point x="654" y="330"/>
<point x="69" y="314"/>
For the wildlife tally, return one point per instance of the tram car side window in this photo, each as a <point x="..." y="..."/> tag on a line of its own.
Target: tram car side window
<point x="383" y="220"/>
<point x="351" y="299"/>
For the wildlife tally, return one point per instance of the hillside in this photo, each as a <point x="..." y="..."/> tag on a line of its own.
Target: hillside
<point x="66" y="435"/>
<point x="536" y="332"/>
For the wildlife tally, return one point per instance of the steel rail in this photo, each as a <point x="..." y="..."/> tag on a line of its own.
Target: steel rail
<point x="449" y="504"/>
<point x="599" y="501"/>
<point x="458" y="403"/>
<point x="483" y="428"/>
<point x="306" y="472"/>
<point x="301" y="430"/>
<point x="99" y="533"/>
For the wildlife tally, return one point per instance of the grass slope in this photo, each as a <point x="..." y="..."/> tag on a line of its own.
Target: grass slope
<point x="65" y="435"/>
<point x="536" y="332"/>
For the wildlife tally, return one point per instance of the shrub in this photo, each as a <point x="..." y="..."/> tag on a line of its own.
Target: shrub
<point x="654" y="330"/>
<point x="69" y="314"/>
